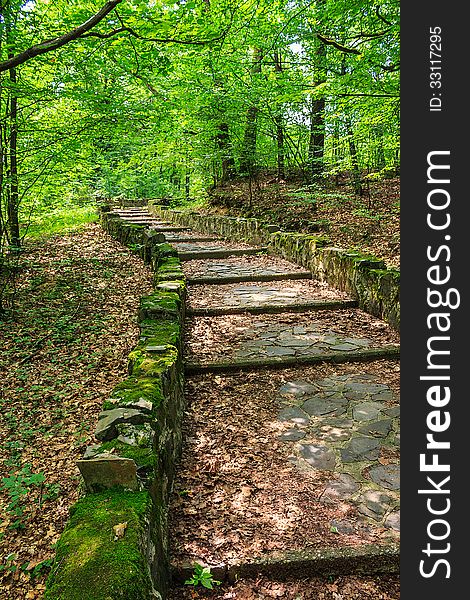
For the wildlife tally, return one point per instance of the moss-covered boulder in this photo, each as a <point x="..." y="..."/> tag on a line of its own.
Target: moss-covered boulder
<point x="102" y="554"/>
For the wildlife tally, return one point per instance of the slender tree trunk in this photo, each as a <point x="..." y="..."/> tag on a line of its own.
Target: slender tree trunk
<point x="380" y="160"/>
<point x="281" y="169"/>
<point x="317" y="139"/>
<point x="2" y="163"/>
<point x="248" y="154"/>
<point x="13" y="196"/>
<point x="187" y="182"/>
<point x="316" y="148"/>
<point x="356" y="171"/>
<point x="223" y="143"/>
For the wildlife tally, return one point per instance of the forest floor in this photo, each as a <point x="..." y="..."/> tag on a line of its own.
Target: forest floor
<point x="368" y="223"/>
<point x="63" y="351"/>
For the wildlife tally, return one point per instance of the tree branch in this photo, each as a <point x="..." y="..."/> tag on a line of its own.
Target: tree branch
<point x="337" y="45"/>
<point x="60" y="41"/>
<point x="381" y="17"/>
<point x="133" y="33"/>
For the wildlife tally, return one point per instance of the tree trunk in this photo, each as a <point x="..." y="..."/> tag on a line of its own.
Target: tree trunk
<point x="356" y="172"/>
<point x="317" y="139"/>
<point x="316" y="148"/>
<point x="248" y="154"/>
<point x="228" y="162"/>
<point x="281" y="170"/>
<point x="13" y="197"/>
<point x="187" y="185"/>
<point x="380" y="155"/>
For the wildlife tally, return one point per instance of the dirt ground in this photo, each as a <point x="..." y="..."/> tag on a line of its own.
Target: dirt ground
<point x="61" y="353"/>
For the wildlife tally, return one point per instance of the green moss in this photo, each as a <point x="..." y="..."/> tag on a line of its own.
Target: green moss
<point x="361" y="260"/>
<point x="320" y="240"/>
<point x="135" y="226"/>
<point x="149" y="364"/>
<point x="134" y="389"/>
<point x="143" y="457"/>
<point x="169" y="263"/>
<point x="160" y="277"/>
<point x="165" y="250"/>
<point x="90" y="563"/>
<point x="393" y="273"/>
<point x="159" y="303"/>
<point x="159" y="333"/>
<point x="181" y="283"/>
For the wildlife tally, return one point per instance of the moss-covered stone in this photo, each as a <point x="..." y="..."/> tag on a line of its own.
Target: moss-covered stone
<point x="159" y="304"/>
<point x="169" y="263"/>
<point x="91" y="564"/>
<point x="143" y="456"/>
<point x="150" y="364"/>
<point x="133" y="389"/>
<point x="159" y="333"/>
<point x="162" y="276"/>
<point x="166" y="250"/>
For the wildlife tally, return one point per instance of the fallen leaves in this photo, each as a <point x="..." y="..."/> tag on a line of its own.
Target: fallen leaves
<point x="50" y="402"/>
<point x="119" y="530"/>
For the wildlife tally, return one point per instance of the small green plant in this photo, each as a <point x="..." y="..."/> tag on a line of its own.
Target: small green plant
<point x="202" y="576"/>
<point x="17" y="487"/>
<point x="367" y="213"/>
<point x="9" y="565"/>
<point x="40" y="568"/>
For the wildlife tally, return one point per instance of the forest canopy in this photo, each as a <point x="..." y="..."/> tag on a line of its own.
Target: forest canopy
<point x="157" y="99"/>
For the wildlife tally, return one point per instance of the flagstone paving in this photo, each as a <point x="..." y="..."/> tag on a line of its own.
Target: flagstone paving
<point x="262" y="294"/>
<point x="254" y="267"/>
<point x="345" y="424"/>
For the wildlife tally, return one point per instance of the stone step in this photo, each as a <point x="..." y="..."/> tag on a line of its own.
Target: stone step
<point x="169" y="228"/>
<point x="131" y="211"/>
<point x="280" y="362"/>
<point x="302" y="462"/>
<point x="144" y="220"/>
<point x="372" y="559"/>
<point x="281" y="276"/>
<point x="219" y="253"/>
<point x="213" y="311"/>
<point x="175" y="239"/>
<point x="133" y="215"/>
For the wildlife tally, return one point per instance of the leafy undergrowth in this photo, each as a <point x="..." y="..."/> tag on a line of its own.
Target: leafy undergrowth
<point x="369" y="223"/>
<point x="62" y="352"/>
<point x="60" y="220"/>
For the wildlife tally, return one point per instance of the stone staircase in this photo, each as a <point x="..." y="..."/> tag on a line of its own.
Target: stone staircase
<point x="290" y="466"/>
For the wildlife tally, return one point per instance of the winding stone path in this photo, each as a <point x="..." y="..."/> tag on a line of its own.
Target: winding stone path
<point x="342" y="430"/>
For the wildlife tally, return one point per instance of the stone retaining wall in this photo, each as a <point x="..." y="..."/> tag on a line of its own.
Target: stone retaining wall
<point x="376" y="288"/>
<point x="115" y="544"/>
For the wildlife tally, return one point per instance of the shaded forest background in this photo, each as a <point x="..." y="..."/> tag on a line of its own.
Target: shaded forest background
<point x="250" y="104"/>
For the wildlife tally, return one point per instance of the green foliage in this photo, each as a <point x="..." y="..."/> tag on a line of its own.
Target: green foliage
<point x="166" y="100"/>
<point x="17" y="487"/>
<point x="202" y="576"/>
<point x="58" y="221"/>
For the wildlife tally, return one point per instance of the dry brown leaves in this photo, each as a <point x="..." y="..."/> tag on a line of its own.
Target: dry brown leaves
<point x="386" y="587"/>
<point x="60" y="357"/>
